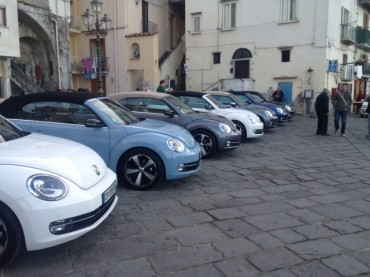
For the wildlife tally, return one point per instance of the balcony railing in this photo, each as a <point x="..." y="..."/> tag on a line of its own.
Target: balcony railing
<point x="80" y="64"/>
<point x="363" y="38"/>
<point x="348" y="34"/>
<point x="44" y="4"/>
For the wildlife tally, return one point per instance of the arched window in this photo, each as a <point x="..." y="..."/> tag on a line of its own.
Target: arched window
<point x="242" y="53"/>
<point x="135" y="51"/>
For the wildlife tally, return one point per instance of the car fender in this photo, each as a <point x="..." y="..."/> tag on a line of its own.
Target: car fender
<point x="153" y="141"/>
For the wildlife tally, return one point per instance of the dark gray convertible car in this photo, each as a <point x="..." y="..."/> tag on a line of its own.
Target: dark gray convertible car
<point x="214" y="133"/>
<point x="267" y="116"/>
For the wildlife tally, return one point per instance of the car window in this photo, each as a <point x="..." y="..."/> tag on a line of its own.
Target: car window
<point x="194" y="102"/>
<point x="236" y="99"/>
<point x="254" y="97"/>
<point x="181" y="106"/>
<point x="137" y="104"/>
<point x="157" y="106"/>
<point x="8" y="131"/>
<point x="244" y="98"/>
<point x="116" y="112"/>
<point x="223" y="99"/>
<point x="216" y="102"/>
<point x="55" y="111"/>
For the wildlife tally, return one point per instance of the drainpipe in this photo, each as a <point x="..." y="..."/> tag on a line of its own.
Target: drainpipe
<point x="57" y="48"/>
<point x="116" y="86"/>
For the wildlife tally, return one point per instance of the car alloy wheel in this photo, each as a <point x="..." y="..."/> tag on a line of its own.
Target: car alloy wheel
<point x="241" y="128"/>
<point x="141" y="169"/>
<point x="206" y="140"/>
<point x="11" y="236"/>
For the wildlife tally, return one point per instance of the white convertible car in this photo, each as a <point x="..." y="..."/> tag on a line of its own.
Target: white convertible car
<point x="52" y="190"/>
<point x="248" y="123"/>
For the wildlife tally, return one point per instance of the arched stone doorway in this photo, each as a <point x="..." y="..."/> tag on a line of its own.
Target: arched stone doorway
<point x="37" y="62"/>
<point x="241" y="60"/>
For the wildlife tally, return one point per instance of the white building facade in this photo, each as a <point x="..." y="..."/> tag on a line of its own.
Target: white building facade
<point x="286" y="43"/>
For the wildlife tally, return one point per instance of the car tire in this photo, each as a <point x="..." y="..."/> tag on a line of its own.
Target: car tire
<point x="140" y="169"/>
<point x="207" y="141"/>
<point x="11" y="236"/>
<point x="241" y="128"/>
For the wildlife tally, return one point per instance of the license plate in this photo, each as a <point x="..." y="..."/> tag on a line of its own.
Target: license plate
<point x="109" y="193"/>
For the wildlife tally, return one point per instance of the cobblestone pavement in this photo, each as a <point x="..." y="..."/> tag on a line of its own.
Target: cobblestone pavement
<point x="290" y="203"/>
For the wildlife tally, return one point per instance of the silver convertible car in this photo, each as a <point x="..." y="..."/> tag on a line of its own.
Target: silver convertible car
<point x="214" y="133"/>
<point x="143" y="153"/>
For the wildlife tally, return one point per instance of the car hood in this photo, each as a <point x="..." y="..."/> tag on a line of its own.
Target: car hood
<point x="241" y="111"/>
<point x="209" y="116"/>
<point x="164" y="128"/>
<point x="65" y="158"/>
<point x="254" y="108"/>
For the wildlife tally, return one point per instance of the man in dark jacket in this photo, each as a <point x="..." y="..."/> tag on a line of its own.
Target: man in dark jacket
<point x="322" y="111"/>
<point x="342" y="103"/>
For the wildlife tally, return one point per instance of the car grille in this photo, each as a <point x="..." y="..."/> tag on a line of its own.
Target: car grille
<point x="82" y="221"/>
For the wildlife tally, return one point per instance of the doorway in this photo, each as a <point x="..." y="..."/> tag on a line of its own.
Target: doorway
<point x="286" y="87"/>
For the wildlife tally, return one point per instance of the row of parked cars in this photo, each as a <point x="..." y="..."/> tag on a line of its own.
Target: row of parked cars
<point x="56" y="188"/>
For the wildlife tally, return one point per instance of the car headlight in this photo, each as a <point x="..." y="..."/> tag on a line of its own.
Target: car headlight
<point x="46" y="187"/>
<point x="268" y="113"/>
<point x="225" y="128"/>
<point x="252" y="119"/>
<point x="288" y="108"/>
<point x="280" y="110"/>
<point x="175" y="145"/>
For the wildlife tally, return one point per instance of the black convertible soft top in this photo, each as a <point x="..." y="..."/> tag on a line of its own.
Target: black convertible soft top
<point x="188" y="93"/>
<point x="11" y="105"/>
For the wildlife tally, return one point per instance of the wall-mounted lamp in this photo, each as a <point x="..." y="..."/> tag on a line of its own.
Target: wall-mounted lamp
<point x="310" y="70"/>
<point x="137" y="2"/>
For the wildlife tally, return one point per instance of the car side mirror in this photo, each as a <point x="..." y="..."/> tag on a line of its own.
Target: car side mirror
<point x="233" y="104"/>
<point x="249" y="102"/>
<point x="93" y="123"/>
<point x="208" y="107"/>
<point x="169" y="113"/>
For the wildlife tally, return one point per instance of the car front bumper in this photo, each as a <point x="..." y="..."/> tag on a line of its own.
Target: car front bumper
<point x="84" y="210"/>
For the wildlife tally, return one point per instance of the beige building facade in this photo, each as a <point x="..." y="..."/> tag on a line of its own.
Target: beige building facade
<point x="301" y="46"/>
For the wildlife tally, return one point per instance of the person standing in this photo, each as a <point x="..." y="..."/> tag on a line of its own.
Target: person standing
<point x="368" y="117"/>
<point x="278" y="95"/>
<point x="360" y="99"/>
<point x="161" y="88"/>
<point x="322" y="111"/>
<point x="342" y="102"/>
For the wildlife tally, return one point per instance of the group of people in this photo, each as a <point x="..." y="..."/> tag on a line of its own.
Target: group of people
<point x="342" y="102"/>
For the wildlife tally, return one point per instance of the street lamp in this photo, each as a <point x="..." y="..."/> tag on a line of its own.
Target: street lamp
<point x="101" y="29"/>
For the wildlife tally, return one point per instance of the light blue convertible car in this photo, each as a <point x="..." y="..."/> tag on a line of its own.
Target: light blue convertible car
<point x="143" y="153"/>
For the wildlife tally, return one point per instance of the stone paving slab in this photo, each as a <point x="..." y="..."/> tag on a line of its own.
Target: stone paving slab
<point x="289" y="203"/>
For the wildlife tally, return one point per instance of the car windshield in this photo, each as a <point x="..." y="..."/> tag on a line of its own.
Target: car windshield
<point x="181" y="106"/>
<point x="259" y="97"/>
<point x="8" y="131"/>
<point x="116" y="112"/>
<point x="237" y="100"/>
<point x="215" y="102"/>
<point x="255" y="97"/>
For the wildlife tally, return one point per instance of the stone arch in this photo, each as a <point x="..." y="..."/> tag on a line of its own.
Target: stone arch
<point x="38" y="55"/>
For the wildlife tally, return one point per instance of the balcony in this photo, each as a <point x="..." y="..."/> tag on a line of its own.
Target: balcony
<point x="363" y="38"/>
<point x="37" y="3"/>
<point x="79" y="64"/>
<point x="365" y="4"/>
<point x="348" y="34"/>
<point x="74" y="28"/>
